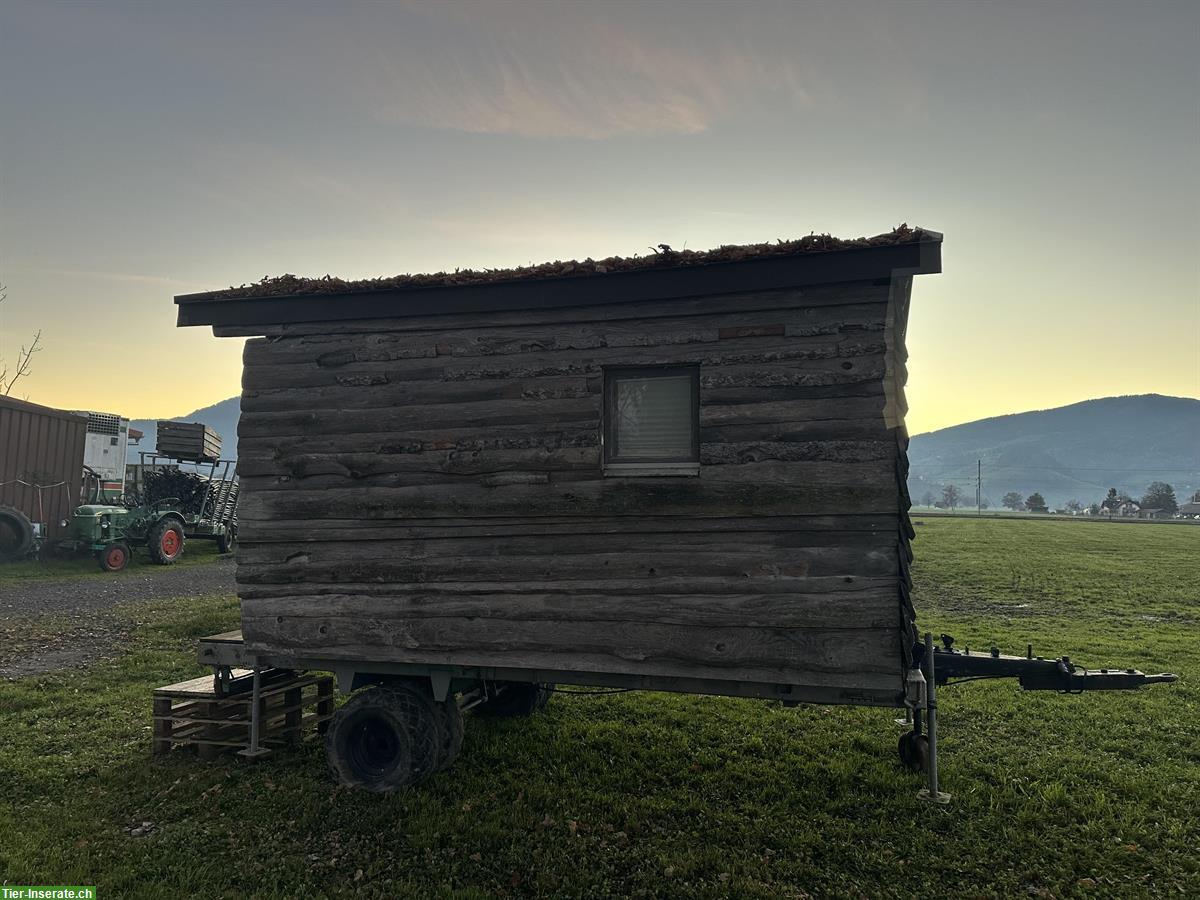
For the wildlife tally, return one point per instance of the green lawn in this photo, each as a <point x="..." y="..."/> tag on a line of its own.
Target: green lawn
<point x="659" y="795"/>
<point x="84" y="565"/>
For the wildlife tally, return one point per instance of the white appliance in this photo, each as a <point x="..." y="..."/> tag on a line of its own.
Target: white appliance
<point x="104" y="449"/>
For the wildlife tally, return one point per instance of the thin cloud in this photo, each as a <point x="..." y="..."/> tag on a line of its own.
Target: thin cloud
<point x="583" y="79"/>
<point x="122" y="277"/>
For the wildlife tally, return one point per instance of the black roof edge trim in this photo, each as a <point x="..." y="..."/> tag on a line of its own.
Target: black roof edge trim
<point x="742" y="276"/>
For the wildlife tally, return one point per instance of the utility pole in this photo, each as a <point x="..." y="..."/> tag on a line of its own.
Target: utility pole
<point x="978" y="487"/>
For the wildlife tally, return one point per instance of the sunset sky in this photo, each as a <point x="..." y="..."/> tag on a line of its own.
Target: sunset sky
<point x="151" y="149"/>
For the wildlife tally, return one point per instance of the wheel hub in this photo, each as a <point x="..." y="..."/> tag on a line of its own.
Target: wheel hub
<point x="374" y="747"/>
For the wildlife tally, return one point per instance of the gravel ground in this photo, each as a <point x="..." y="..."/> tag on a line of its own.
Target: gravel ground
<point x="73" y="596"/>
<point x="61" y="623"/>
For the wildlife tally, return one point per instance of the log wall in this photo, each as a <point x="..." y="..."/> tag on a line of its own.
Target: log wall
<point x="430" y="490"/>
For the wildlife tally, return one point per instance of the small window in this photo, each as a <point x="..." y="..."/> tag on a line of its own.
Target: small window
<point x="652" y="421"/>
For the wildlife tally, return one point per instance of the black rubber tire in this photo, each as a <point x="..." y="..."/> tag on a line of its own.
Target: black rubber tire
<point x="16" y="534"/>
<point x="914" y="751"/>
<point x="114" y="557"/>
<point x="515" y="699"/>
<point x="227" y="542"/>
<point x="450" y="732"/>
<point x="384" y="739"/>
<point x="156" y="537"/>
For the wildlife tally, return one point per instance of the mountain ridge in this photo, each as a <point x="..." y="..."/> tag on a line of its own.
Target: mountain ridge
<point x="1076" y="451"/>
<point x="1068" y="452"/>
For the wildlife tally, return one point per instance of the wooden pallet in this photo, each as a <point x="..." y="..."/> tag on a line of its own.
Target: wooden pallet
<point x="196" y="714"/>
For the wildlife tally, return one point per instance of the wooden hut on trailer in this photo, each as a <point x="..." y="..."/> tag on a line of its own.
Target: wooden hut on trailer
<point x="680" y="472"/>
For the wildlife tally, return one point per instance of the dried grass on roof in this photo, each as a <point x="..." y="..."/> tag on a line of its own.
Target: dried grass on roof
<point x="662" y="257"/>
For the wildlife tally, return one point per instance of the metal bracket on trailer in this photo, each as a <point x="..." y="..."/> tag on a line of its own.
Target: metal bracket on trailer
<point x="439" y="684"/>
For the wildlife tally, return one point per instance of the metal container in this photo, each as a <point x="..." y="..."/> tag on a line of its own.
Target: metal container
<point x="41" y="461"/>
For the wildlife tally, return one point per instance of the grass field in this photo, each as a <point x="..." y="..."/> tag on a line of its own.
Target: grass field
<point x="84" y="565"/>
<point x="658" y="795"/>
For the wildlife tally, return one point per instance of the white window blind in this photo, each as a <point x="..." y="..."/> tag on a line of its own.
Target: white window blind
<point x="653" y="417"/>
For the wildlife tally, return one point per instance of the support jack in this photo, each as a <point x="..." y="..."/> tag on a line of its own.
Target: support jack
<point x="255" y="750"/>
<point x="931" y="794"/>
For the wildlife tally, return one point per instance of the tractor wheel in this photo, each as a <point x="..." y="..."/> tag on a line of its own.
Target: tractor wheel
<point x="16" y="534"/>
<point x="114" y="557"/>
<point x="166" y="541"/>
<point x="450" y="731"/>
<point x="515" y="699"/>
<point x="385" y="738"/>
<point x="914" y="751"/>
<point x="227" y="542"/>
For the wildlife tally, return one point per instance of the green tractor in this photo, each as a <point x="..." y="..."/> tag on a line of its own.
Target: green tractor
<point x="111" y="531"/>
<point x="206" y="509"/>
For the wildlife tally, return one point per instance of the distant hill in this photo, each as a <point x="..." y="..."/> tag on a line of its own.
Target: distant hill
<point x="1072" y="452"/>
<point x="221" y="417"/>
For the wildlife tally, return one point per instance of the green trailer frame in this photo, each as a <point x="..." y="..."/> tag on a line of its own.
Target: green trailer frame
<point x="465" y="687"/>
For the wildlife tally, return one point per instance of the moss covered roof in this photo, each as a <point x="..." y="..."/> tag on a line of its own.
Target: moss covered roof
<point x="662" y="257"/>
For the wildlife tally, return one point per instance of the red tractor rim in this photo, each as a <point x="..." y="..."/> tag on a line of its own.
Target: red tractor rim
<point x="170" y="542"/>
<point x="115" y="557"/>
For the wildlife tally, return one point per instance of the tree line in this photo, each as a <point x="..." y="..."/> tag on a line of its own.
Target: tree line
<point x="1158" y="495"/>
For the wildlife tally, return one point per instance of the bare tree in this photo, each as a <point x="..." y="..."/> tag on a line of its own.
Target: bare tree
<point x="951" y="495"/>
<point x="24" y="358"/>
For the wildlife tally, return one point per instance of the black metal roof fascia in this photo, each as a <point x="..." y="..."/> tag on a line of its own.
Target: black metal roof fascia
<point x="761" y="274"/>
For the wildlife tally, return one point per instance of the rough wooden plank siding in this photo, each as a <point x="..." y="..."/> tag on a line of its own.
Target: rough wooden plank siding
<point x="430" y="490"/>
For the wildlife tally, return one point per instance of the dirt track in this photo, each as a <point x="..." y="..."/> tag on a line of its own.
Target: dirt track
<point x="80" y="609"/>
<point x="80" y="595"/>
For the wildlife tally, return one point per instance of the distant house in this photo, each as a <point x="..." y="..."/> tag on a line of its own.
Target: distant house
<point x="1122" y="508"/>
<point x="1150" y="513"/>
<point x="1189" y="510"/>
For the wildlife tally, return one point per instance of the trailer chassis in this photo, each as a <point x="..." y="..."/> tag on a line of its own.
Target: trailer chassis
<point x="933" y="667"/>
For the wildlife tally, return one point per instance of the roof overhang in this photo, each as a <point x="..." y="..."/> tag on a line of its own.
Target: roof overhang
<point x="666" y="283"/>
